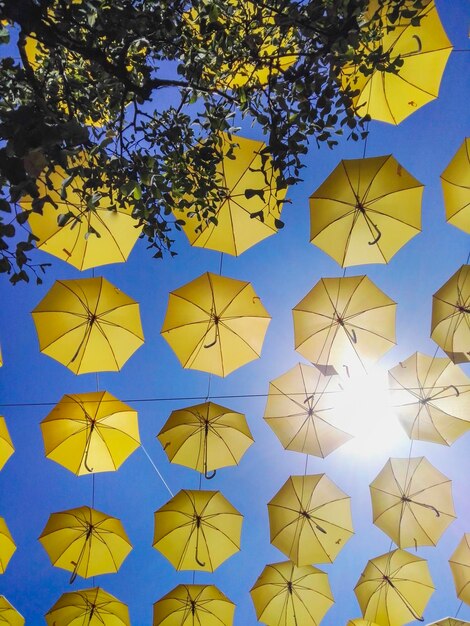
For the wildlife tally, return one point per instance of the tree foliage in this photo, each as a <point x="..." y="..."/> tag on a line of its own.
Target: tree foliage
<point x="146" y="88"/>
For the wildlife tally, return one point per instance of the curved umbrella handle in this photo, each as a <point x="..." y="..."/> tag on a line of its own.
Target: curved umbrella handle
<point x="378" y="235"/>
<point x="210" y="476"/>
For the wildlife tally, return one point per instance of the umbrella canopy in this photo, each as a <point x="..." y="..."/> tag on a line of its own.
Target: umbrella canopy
<point x="394" y="588"/>
<point x="188" y="605"/>
<point x="344" y="322"/>
<point x="450" y="324"/>
<point x="72" y="231"/>
<point x="431" y="397"/>
<point x="205" y="437"/>
<point x="365" y="211"/>
<point x="450" y="621"/>
<point x="412" y="502"/>
<point x="310" y="519"/>
<point x="9" y="615"/>
<point x="215" y="324"/>
<point x="93" y="607"/>
<point x="235" y="229"/>
<point x="360" y="622"/>
<point x="90" y="432"/>
<point x="290" y="595"/>
<point x="455" y="181"/>
<point x="7" y="546"/>
<point x="423" y="48"/>
<point x="6" y="444"/>
<point x="301" y="409"/>
<point x="85" y="541"/>
<point x="197" y="530"/>
<point x="460" y="566"/>
<point x="88" y="325"/>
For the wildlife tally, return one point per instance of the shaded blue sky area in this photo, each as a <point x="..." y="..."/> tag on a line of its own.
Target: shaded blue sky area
<point x="282" y="269"/>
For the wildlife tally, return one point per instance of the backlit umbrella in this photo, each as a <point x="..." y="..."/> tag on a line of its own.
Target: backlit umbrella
<point x="412" y="502"/>
<point x="90" y="432"/>
<point x="310" y="519"/>
<point x="6" y="444"/>
<point x="235" y="230"/>
<point x="188" y="605"/>
<point x="360" y="622"/>
<point x="455" y="181"/>
<point x="85" y="541"/>
<point x="431" y="397"/>
<point x="9" y="615"/>
<point x="424" y="49"/>
<point x="215" y="324"/>
<point x="88" y="325"/>
<point x="90" y="607"/>
<point x="450" y="621"/>
<point x="394" y="588"/>
<point x="197" y="530"/>
<point x="205" y="437"/>
<point x="460" y="566"/>
<point x="344" y="322"/>
<point x="365" y="211"/>
<point x="290" y="595"/>
<point x="7" y="546"/>
<point x="301" y="409"/>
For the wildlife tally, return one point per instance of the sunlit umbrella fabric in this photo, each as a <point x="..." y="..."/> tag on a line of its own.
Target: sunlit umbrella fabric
<point x="450" y="323"/>
<point x="344" y="322"/>
<point x="455" y="181"/>
<point x="7" y="545"/>
<point x="300" y="409"/>
<point x="197" y="530"/>
<point x="235" y="231"/>
<point x="412" y="502"/>
<point x="450" y="621"/>
<point x="431" y="397"/>
<point x="310" y="519"/>
<point x="6" y="444"/>
<point x="93" y="607"/>
<point x="215" y="324"/>
<point x="88" y="325"/>
<point x="365" y="211"/>
<point x="424" y="50"/>
<point x="188" y="605"/>
<point x="9" y="615"/>
<point x="205" y="437"/>
<point x="90" y="432"/>
<point x="460" y="566"/>
<point x="360" y="622"/>
<point x="290" y="595"/>
<point x="394" y="588"/>
<point x="85" y="542"/>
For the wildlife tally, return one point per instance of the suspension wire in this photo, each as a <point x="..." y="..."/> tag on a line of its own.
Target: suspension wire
<point x="221" y="262"/>
<point x="458" y="610"/>
<point x="157" y="470"/>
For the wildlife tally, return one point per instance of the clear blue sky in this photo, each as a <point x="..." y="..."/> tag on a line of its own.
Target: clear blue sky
<point x="282" y="269"/>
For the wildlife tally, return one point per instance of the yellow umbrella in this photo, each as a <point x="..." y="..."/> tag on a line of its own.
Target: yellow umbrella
<point x="215" y="324"/>
<point x="205" y="437"/>
<point x="424" y="50"/>
<point x="6" y="444"/>
<point x="7" y="546"/>
<point x="9" y="615"/>
<point x="394" y="588"/>
<point x="235" y="230"/>
<point x="68" y="229"/>
<point x="455" y="181"/>
<point x="361" y="622"/>
<point x="310" y="519"/>
<point x="365" y="211"/>
<point x="85" y="541"/>
<point x="88" y="325"/>
<point x="450" y="324"/>
<point x="431" y="397"/>
<point x="290" y="595"/>
<point x="188" y="605"/>
<point x="460" y="566"/>
<point x="344" y="322"/>
<point x="90" y="432"/>
<point x="412" y="502"/>
<point x="301" y="410"/>
<point x="93" y="607"/>
<point x="197" y="530"/>
<point x="450" y="621"/>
